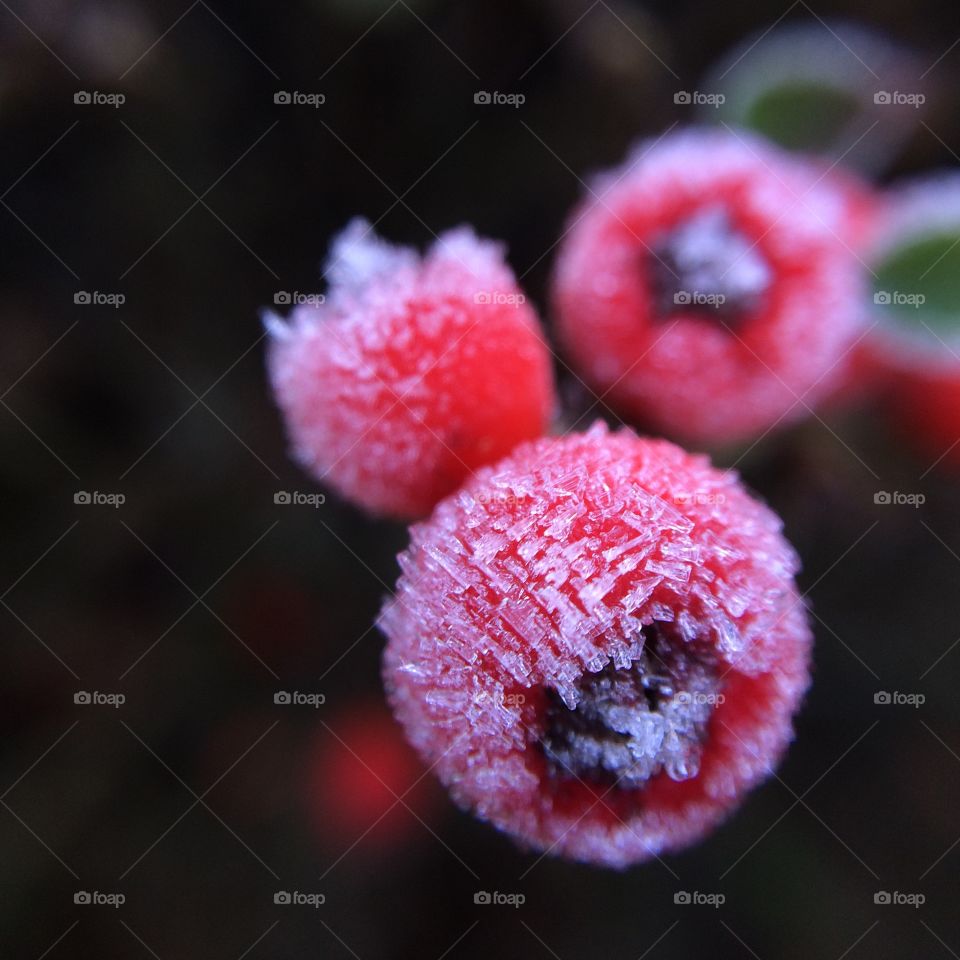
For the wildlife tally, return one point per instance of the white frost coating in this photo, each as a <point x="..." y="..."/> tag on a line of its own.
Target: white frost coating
<point x="713" y="257"/>
<point x="274" y="325"/>
<point x="358" y="255"/>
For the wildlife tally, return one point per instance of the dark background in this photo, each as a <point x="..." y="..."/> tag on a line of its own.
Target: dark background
<point x="199" y="598"/>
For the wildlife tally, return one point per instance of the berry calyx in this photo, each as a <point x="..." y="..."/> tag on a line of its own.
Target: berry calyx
<point x="630" y="723"/>
<point x="598" y="645"/>
<point x="708" y="254"/>
<point x="411" y="372"/>
<point x="709" y="288"/>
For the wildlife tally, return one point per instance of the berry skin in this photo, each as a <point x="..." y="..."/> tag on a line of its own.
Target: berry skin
<point x="599" y="645"/>
<point x="413" y="372"/>
<point x="925" y="408"/>
<point x="708" y="288"/>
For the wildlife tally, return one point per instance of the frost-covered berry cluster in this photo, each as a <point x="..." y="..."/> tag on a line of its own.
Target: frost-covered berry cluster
<point x="596" y="640"/>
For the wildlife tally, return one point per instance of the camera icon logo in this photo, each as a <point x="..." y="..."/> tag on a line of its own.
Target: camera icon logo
<point x="482" y="96"/>
<point x="81" y="897"/>
<point x="881" y="96"/>
<point x="682" y="897"/>
<point x="282" y="96"/>
<point x="82" y="497"/>
<point x="682" y="297"/>
<point x="82" y="697"/>
<point x="882" y="298"/>
<point x="82" y="96"/>
<point x="282" y="696"/>
<point x="482" y="896"/>
<point x="282" y="298"/>
<point x="882" y="497"/>
<point x="882" y="697"/>
<point x="281" y="497"/>
<point x="881" y="897"/>
<point x="481" y="297"/>
<point x="682" y="97"/>
<point x="281" y="897"/>
<point x="82" y="297"/>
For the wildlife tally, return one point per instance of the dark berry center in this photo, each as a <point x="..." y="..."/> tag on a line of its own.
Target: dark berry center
<point x="629" y="724"/>
<point x="707" y="267"/>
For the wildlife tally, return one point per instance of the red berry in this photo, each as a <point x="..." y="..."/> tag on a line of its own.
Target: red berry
<point x="709" y="288"/>
<point x="413" y="372"/>
<point x="599" y="645"/>
<point x="365" y="781"/>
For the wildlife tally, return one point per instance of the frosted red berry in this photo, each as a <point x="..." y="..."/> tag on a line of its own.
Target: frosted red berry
<point x="365" y="786"/>
<point x="598" y="645"/>
<point x="412" y="372"/>
<point x="709" y="287"/>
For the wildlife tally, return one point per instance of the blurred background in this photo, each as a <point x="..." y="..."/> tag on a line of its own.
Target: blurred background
<point x="158" y="603"/>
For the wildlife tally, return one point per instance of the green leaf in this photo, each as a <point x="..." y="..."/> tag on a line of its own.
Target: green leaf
<point x="927" y="269"/>
<point x="803" y="116"/>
